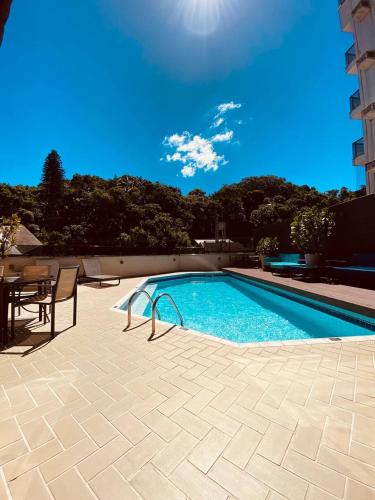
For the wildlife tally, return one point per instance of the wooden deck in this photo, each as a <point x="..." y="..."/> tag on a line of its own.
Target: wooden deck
<point x="356" y="299"/>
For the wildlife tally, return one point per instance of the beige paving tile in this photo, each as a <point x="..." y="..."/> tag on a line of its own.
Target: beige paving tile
<point x="174" y="403"/>
<point x="67" y="459"/>
<point x="249" y="418"/>
<point x="137" y="457"/>
<point x="325" y="478"/>
<point x="153" y="486"/>
<point x="70" y="485"/>
<point x="242" y="446"/>
<point x="32" y="459"/>
<point x="364" y="429"/>
<point x="131" y="427"/>
<point x="277" y="478"/>
<point x="209" y="450"/>
<point x="99" y="429"/>
<point x="347" y="466"/>
<point x="162" y="425"/>
<point x="110" y="485"/>
<point x="191" y="423"/>
<point x="195" y="484"/>
<point x="68" y="431"/>
<point x="275" y="443"/>
<point x="199" y="401"/>
<point x="13" y="451"/>
<point x="37" y="432"/>
<point x="9" y="432"/>
<point x="104" y="457"/>
<point x="236" y="481"/>
<point x="29" y="486"/>
<point x="174" y="453"/>
<point x="220" y="420"/>
<point x="149" y="404"/>
<point x="357" y="491"/>
<point x="362" y="452"/>
<point x="337" y="435"/>
<point x="307" y="438"/>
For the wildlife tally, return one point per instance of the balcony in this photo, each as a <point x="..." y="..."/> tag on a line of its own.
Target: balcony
<point x="350" y="61"/>
<point x="345" y="13"/>
<point x="361" y="10"/>
<point x="366" y="60"/>
<point x="359" y="152"/>
<point x="355" y="106"/>
<point x="369" y="112"/>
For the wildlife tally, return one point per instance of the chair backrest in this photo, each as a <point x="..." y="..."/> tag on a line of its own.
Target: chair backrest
<point x="290" y="257"/>
<point x="92" y="267"/>
<point x="53" y="265"/>
<point x="66" y="283"/>
<point x="35" y="271"/>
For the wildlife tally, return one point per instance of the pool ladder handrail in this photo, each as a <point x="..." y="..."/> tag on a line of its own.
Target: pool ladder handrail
<point x="131" y="299"/>
<point x="154" y="308"/>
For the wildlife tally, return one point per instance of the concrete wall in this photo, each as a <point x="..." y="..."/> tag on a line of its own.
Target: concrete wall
<point x="134" y="265"/>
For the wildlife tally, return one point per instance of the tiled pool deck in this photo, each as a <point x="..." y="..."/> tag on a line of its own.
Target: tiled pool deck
<point x="102" y="413"/>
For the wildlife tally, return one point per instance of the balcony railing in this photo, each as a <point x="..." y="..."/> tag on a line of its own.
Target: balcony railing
<point x="358" y="148"/>
<point x="355" y="101"/>
<point x="350" y="56"/>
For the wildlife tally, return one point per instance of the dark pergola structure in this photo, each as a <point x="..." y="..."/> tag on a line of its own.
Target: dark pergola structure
<point x="4" y="14"/>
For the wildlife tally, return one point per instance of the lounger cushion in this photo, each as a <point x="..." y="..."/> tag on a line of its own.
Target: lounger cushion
<point x="356" y="268"/>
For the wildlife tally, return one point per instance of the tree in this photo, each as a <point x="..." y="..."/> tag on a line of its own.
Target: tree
<point x="53" y="176"/>
<point x="8" y="230"/>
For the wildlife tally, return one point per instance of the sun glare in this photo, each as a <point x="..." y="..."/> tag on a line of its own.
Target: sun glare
<point x="203" y="17"/>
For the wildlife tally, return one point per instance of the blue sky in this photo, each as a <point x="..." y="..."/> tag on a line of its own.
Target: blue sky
<point x="134" y="86"/>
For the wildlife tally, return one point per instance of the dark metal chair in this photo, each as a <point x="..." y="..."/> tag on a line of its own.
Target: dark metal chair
<point x="65" y="288"/>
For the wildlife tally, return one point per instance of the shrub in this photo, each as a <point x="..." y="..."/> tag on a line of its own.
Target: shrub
<point x="311" y="229"/>
<point x="268" y="246"/>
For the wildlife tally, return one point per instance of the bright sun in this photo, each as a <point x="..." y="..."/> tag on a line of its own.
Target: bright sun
<point x="203" y="17"/>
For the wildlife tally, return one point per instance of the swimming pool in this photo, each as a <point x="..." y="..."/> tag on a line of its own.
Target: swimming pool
<point x="244" y="310"/>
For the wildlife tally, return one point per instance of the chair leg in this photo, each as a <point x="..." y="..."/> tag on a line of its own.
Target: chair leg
<point x="12" y="321"/>
<point x="40" y="312"/>
<point x="52" y="320"/>
<point x="75" y="309"/>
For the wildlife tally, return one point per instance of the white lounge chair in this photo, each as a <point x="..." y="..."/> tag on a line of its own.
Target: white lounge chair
<point x="93" y="272"/>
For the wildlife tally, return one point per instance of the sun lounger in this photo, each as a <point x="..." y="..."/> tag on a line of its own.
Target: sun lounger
<point x="94" y="273"/>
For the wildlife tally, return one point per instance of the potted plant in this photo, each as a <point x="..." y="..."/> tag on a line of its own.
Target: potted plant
<point x="310" y="231"/>
<point x="8" y="229"/>
<point x="267" y="247"/>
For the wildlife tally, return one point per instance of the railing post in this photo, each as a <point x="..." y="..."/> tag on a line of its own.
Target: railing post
<point x="129" y="314"/>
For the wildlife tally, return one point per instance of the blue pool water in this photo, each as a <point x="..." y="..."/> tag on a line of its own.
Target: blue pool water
<point x="240" y="310"/>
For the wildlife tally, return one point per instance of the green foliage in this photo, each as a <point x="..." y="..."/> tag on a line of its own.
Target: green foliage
<point x="311" y="229"/>
<point x="53" y="178"/>
<point x="133" y="215"/>
<point x="8" y="229"/>
<point x="268" y="246"/>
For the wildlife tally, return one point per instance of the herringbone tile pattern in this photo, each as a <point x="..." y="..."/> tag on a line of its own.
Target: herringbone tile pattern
<point x="102" y="413"/>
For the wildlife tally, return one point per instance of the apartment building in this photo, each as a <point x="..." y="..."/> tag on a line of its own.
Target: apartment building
<point x="358" y="17"/>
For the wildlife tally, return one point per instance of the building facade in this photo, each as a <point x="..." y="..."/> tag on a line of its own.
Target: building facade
<point x="358" y="17"/>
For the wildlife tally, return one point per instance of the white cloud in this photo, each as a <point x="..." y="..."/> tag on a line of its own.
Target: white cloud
<point x="221" y="113"/>
<point x="224" y="137"/>
<point x="218" y="122"/>
<point x="194" y="153"/>
<point x="228" y="106"/>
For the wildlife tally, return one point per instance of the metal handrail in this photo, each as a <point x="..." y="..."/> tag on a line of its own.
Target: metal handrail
<point x="154" y="308"/>
<point x="135" y="294"/>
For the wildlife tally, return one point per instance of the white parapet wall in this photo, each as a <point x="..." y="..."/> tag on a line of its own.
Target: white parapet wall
<point x="132" y="265"/>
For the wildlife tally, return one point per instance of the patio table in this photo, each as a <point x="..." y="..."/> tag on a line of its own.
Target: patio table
<point x="8" y="285"/>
